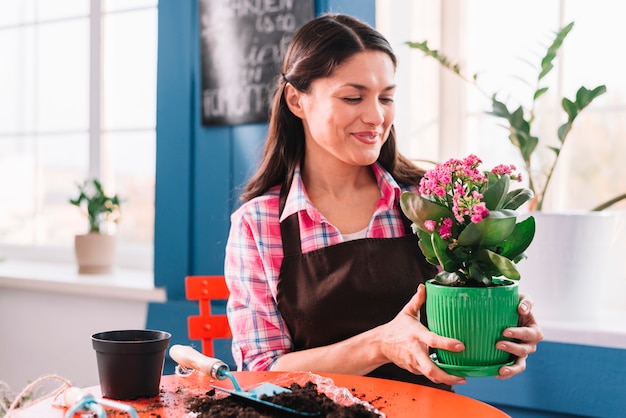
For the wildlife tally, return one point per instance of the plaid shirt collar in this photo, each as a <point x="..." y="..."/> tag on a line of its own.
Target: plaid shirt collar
<point x="298" y="200"/>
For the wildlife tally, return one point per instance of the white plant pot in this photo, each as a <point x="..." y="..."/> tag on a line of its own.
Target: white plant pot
<point x="572" y="260"/>
<point x="95" y="253"/>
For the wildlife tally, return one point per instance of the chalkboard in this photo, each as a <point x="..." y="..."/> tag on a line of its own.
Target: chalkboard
<point x="243" y="44"/>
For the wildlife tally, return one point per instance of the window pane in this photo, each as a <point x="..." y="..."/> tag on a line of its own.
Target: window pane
<point x="506" y="52"/>
<point x="63" y="76"/>
<point x="13" y="12"/>
<point x="17" y="80"/>
<point x="133" y="156"/>
<point x="44" y="124"/>
<point x="17" y="161"/>
<point x="590" y="53"/>
<point x="63" y="161"/>
<point x="592" y="169"/>
<point x="59" y="9"/>
<point x="129" y="70"/>
<point x="506" y="55"/>
<point x="115" y="5"/>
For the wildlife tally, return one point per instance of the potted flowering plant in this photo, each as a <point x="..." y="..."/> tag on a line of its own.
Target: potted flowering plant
<point x="95" y="250"/>
<point x="467" y="223"/>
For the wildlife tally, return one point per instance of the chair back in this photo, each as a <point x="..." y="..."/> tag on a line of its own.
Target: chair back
<point x="207" y="326"/>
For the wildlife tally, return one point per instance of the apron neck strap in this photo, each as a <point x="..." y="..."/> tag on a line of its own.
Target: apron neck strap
<point x="289" y="228"/>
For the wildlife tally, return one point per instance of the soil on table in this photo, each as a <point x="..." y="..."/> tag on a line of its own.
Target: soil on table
<point x="301" y="398"/>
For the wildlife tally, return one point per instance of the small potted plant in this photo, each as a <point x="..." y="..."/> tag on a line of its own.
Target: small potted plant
<point x="467" y="224"/>
<point x="95" y="250"/>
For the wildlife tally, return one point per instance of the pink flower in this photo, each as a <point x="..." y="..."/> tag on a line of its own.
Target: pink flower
<point x="445" y="230"/>
<point x="479" y="211"/>
<point x="503" y="169"/>
<point x="430" y="225"/>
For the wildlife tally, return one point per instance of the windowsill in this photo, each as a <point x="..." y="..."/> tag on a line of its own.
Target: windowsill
<point x="125" y="284"/>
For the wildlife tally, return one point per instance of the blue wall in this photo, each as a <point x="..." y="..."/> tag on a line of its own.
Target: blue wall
<point x="561" y="380"/>
<point x="198" y="172"/>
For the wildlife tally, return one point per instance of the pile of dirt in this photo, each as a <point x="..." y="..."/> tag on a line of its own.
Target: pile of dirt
<point x="301" y="398"/>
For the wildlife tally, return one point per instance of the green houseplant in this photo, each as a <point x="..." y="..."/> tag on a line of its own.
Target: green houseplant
<point x="95" y="250"/>
<point x="519" y="121"/>
<point x="99" y="207"/>
<point x="467" y="223"/>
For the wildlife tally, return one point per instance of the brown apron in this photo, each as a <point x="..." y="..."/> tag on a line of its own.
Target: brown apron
<point x="342" y="290"/>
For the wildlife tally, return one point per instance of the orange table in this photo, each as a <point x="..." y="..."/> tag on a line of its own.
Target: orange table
<point x="395" y="399"/>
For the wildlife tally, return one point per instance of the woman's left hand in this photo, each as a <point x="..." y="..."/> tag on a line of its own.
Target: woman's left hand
<point x="525" y="337"/>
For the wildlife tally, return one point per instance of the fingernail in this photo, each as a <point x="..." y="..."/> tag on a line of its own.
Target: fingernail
<point x="506" y="371"/>
<point x="508" y="333"/>
<point x="459" y="346"/>
<point x="501" y="346"/>
<point x="525" y="307"/>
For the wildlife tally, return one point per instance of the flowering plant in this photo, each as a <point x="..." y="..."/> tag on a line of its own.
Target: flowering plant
<point x="466" y="221"/>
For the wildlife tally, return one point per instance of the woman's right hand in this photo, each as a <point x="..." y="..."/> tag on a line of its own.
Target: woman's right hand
<point x="406" y="342"/>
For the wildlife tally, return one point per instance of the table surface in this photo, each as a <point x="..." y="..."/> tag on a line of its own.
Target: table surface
<point x="395" y="399"/>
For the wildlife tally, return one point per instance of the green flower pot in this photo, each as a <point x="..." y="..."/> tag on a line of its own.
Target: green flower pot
<point x="477" y="316"/>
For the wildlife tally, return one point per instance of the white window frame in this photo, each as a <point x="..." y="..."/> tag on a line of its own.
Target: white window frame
<point x="127" y="257"/>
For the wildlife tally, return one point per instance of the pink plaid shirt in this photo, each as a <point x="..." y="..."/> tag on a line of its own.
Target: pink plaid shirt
<point x="254" y="255"/>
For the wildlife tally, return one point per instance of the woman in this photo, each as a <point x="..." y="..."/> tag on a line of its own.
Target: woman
<point x="320" y="262"/>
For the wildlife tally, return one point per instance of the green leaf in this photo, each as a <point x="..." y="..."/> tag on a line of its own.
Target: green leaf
<point x="551" y="53"/>
<point x="499" y="109"/>
<point x="502" y="264"/>
<point x="419" y="209"/>
<point x="527" y="143"/>
<point x="519" y="240"/>
<point x="441" y="250"/>
<point x="540" y="92"/>
<point x="516" y="198"/>
<point x="584" y="96"/>
<point x="426" y="246"/>
<point x="477" y="274"/>
<point x="494" y="195"/>
<point x="447" y="277"/>
<point x="570" y="108"/>
<point x="492" y="230"/>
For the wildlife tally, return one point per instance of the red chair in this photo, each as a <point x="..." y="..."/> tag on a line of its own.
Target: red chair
<point x="207" y="326"/>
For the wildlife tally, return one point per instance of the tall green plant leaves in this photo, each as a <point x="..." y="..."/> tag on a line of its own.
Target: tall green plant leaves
<point x="519" y="120"/>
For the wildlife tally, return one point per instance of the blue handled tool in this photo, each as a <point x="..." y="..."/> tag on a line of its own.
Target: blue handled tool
<point x="78" y="400"/>
<point x="190" y="359"/>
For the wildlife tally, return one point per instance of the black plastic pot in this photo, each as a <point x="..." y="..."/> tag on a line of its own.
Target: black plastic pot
<point x="130" y="362"/>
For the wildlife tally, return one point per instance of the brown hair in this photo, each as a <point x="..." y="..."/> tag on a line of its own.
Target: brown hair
<point x="317" y="48"/>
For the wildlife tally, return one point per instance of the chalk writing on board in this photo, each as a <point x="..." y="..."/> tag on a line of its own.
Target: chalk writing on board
<point x="243" y="43"/>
